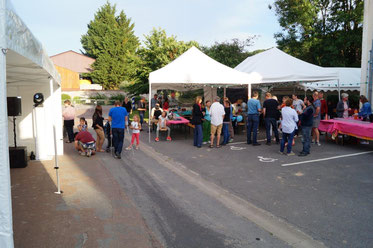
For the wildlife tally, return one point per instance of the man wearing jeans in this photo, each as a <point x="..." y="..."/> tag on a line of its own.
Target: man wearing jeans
<point x="118" y="117"/>
<point x="253" y="110"/>
<point x="141" y="107"/>
<point x="316" y="119"/>
<point x="270" y="110"/>
<point x="306" y="122"/>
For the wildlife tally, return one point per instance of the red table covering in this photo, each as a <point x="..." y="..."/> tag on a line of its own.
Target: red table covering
<point x="181" y="121"/>
<point x="349" y="126"/>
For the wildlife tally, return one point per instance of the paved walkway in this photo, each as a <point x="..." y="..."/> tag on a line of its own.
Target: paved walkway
<point x="93" y="210"/>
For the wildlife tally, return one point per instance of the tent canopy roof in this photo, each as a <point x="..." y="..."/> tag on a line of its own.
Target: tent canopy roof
<point x="274" y="66"/>
<point x="192" y="68"/>
<point x="27" y="60"/>
<point x="349" y="79"/>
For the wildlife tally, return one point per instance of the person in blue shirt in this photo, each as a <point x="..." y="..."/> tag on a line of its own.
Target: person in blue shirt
<point x="118" y="117"/>
<point x="253" y="111"/>
<point x="366" y="109"/>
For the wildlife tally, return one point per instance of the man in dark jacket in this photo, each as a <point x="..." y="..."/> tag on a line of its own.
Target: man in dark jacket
<point x="306" y="119"/>
<point x="343" y="106"/>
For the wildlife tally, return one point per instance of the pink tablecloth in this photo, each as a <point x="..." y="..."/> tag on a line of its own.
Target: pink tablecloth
<point x="356" y="128"/>
<point x="181" y="121"/>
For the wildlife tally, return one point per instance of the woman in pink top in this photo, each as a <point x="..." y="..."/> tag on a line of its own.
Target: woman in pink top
<point x="68" y="114"/>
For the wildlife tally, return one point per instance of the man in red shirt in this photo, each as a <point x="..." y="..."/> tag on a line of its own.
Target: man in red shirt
<point x="82" y="139"/>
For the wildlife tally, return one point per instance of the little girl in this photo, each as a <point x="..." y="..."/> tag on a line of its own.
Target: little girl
<point x="83" y="124"/>
<point x="136" y="127"/>
<point x="162" y="125"/>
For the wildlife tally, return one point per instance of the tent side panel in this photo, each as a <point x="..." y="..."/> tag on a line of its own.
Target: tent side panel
<point x="6" y="225"/>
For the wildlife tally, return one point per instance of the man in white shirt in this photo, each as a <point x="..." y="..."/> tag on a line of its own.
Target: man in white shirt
<point x="217" y="115"/>
<point x="289" y="125"/>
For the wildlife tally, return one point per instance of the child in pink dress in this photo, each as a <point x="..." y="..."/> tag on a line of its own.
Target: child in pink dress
<point x="136" y="127"/>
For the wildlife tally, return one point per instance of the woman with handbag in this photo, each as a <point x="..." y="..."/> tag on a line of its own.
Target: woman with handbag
<point x="197" y="116"/>
<point x="98" y="126"/>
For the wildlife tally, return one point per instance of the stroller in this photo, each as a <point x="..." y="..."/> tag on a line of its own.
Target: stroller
<point x="108" y="136"/>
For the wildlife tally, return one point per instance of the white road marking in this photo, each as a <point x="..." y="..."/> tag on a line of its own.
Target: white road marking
<point x="237" y="148"/>
<point x="243" y="142"/>
<point x="266" y="160"/>
<point x="323" y="159"/>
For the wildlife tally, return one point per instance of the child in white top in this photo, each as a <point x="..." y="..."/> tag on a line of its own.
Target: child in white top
<point x="136" y="127"/>
<point x="162" y="125"/>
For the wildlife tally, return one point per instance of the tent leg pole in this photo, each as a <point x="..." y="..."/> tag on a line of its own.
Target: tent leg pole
<point x="225" y="91"/>
<point x="248" y="91"/>
<point x="339" y="91"/>
<point x="149" y="109"/>
<point x="56" y="166"/>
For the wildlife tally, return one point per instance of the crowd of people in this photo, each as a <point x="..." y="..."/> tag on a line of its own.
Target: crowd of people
<point x="291" y="117"/>
<point x="118" y="118"/>
<point x="212" y="119"/>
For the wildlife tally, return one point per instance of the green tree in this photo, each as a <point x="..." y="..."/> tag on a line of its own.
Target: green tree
<point x="323" y="32"/>
<point x="158" y="51"/>
<point x="230" y="53"/>
<point x="110" y="40"/>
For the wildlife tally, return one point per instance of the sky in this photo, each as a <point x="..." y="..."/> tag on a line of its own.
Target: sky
<point x="59" y="24"/>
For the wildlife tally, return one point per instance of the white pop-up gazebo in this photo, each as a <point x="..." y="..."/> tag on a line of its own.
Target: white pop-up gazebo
<point x="195" y="69"/>
<point x="25" y="69"/>
<point x="349" y="80"/>
<point x="275" y="66"/>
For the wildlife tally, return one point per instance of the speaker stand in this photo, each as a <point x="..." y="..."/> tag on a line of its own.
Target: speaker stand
<point x="14" y="131"/>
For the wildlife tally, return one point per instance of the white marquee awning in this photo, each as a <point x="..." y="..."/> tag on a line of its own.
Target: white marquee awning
<point x="23" y="61"/>
<point x="275" y="66"/>
<point x="195" y="68"/>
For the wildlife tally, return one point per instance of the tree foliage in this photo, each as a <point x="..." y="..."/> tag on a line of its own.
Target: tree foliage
<point x="230" y="53"/>
<point x="110" y="40"/>
<point x="158" y="51"/>
<point x="323" y="32"/>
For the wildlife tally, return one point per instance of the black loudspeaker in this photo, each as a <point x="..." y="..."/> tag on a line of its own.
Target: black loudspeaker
<point x="18" y="157"/>
<point x="14" y="106"/>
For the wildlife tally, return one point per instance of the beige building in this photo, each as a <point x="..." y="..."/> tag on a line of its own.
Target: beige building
<point x="71" y="65"/>
<point x="367" y="57"/>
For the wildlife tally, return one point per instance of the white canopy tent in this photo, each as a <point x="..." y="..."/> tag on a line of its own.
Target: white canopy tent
<point x="25" y="69"/>
<point x="275" y="66"/>
<point x="349" y="80"/>
<point x="195" y="69"/>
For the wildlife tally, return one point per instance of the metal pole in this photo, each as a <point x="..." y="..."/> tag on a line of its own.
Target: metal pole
<point x="56" y="166"/>
<point x="339" y="91"/>
<point x="149" y="108"/>
<point x="248" y="91"/>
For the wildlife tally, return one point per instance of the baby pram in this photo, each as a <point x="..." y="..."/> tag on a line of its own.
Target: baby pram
<point x="108" y="136"/>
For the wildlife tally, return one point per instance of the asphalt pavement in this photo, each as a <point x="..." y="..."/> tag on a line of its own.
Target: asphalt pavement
<point x="240" y="195"/>
<point x="178" y="212"/>
<point x="330" y="200"/>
